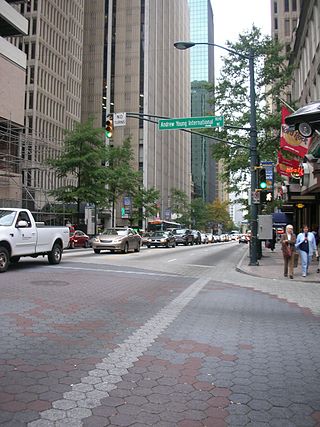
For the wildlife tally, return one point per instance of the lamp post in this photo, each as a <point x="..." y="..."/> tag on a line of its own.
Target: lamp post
<point x="182" y="45"/>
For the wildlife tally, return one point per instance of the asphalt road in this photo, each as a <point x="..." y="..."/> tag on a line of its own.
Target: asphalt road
<point x="164" y="337"/>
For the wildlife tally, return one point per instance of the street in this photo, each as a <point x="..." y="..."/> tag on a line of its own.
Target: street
<point x="164" y="337"/>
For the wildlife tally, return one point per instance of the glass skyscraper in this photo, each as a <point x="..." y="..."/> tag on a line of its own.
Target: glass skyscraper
<point x="203" y="167"/>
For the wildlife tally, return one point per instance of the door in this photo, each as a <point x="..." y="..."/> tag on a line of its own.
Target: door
<point x="25" y="238"/>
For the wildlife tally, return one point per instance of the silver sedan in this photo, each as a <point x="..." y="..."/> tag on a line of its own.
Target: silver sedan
<point x="117" y="239"/>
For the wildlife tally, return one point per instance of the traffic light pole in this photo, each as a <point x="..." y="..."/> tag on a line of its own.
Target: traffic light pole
<point x="253" y="165"/>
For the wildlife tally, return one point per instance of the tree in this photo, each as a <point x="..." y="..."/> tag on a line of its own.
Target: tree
<point x="232" y="100"/>
<point x="199" y="213"/>
<point x="121" y="178"/>
<point x="81" y="159"/>
<point x="180" y="206"/>
<point x="218" y="214"/>
<point x="144" y="204"/>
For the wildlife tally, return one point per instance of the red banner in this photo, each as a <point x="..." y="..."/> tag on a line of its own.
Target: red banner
<point x="285" y="166"/>
<point x="292" y="140"/>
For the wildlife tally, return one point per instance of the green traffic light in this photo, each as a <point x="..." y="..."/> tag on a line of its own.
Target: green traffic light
<point x="108" y="134"/>
<point x="263" y="185"/>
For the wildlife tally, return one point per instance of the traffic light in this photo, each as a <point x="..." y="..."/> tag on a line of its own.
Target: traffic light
<point x="262" y="178"/>
<point x="109" y="126"/>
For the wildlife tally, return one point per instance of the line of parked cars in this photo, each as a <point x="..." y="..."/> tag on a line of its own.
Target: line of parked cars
<point x="127" y="239"/>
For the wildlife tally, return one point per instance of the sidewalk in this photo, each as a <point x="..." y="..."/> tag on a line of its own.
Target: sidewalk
<point x="271" y="266"/>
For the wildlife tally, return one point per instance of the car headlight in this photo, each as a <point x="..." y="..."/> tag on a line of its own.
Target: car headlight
<point x="163" y="240"/>
<point x="96" y="239"/>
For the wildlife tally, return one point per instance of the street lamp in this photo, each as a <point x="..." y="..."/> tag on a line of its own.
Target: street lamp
<point x="183" y="45"/>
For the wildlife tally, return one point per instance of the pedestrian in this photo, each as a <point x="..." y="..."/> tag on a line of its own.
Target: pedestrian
<point x="288" y="240"/>
<point x="306" y="245"/>
<point x="273" y="240"/>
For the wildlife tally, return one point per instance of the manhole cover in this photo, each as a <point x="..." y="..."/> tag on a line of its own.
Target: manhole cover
<point x="50" y="283"/>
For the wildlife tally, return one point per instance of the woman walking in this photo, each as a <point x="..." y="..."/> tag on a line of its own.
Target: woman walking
<point x="306" y="245"/>
<point x="288" y="240"/>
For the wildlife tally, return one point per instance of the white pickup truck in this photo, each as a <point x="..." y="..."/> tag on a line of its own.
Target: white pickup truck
<point x="21" y="236"/>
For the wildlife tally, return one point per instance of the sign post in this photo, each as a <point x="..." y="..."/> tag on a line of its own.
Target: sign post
<point x="191" y="123"/>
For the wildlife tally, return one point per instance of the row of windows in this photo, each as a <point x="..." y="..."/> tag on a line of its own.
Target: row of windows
<point x="50" y="83"/>
<point x="43" y="179"/>
<point x="53" y="37"/>
<point x="54" y="62"/>
<point x="286" y="6"/>
<point x="30" y="6"/>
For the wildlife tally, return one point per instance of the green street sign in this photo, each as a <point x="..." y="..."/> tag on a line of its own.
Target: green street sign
<point x="191" y="123"/>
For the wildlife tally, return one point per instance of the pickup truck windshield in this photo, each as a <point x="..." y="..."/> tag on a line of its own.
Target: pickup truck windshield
<point x="7" y="217"/>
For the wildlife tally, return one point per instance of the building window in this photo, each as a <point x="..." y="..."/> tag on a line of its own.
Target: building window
<point x="294" y="5"/>
<point x="275" y="23"/>
<point x="275" y="7"/>
<point x="286" y="5"/>
<point x="33" y="51"/>
<point x="287" y="27"/>
<point x="30" y="100"/>
<point x="34" y="26"/>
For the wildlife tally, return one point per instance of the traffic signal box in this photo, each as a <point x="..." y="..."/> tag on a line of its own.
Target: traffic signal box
<point x="262" y="180"/>
<point x="109" y="126"/>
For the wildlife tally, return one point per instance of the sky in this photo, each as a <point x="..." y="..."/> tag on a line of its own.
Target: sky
<point x="231" y="17"/>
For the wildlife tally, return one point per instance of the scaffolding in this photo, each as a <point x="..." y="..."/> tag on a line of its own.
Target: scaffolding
<point x="26" y="179"/>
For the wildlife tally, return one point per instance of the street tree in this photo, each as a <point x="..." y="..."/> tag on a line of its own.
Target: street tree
<point x="272" y="75"/>
<point x="81" y="161"/>
<point x="180" y="205"/>
<point x="218" y="214"/>
<point x="199" y="213"/>
<point x="144" y="204"/>
<point x="121" y="178"/>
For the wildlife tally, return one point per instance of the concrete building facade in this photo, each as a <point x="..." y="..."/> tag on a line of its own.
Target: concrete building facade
<point x="54" y="49"/>
<point x="145" y="74"/>
<point x="12" y="71"/>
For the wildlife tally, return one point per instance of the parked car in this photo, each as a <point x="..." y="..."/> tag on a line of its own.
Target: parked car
<point x="196" y="237"/>
<point x="244" y="238"/>
<point x="161" y="238"/>
<point x="204" y="238"/>
<point x="78" y="239"/>
<point x="117" y="239"/>
<point x="210" y="238"/>
<point x="183" y="236"/>
<point x="144" y="237"/>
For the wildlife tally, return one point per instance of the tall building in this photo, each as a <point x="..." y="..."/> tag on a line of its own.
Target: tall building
<point x="201" y="72"/>
<point x="12" y="71"/>
<point x="284" y="21"/>
<point x="54" y="49"/>
<point x="144" y="73"/>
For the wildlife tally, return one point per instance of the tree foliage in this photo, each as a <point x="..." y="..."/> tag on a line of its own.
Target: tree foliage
<point x="180" y="206"/>
<point x="218" y="214"/>
<point x="81" y="161"/>
<point x="233" y="102"/>
<point x="144" y="204"/>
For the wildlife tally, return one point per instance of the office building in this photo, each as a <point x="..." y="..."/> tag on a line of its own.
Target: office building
<point x="284" y="21"/>
<point x="12" y="71"/>
<point x="144" y="73"/>
<point x="54" y="49"/>
<point x="204" y="168"/>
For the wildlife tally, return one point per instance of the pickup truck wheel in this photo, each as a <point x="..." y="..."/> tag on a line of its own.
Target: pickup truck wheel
<point x="14" y="259"/>
<point x="4" y="259"/>
<point x="54" y="256"/>
<point x="96" y="251"/>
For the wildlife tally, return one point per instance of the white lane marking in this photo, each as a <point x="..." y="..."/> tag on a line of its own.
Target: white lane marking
<point x="171" y="260"/>
<point x="88" y="393"/>
<point x="109" y="270"/>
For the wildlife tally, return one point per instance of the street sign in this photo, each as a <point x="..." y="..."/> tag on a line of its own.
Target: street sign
<point x="119" y="119"/>
<point x="268" y="166"/>
<point x="191" y="123"/>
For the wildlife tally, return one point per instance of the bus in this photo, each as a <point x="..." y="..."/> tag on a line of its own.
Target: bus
<point x="161" y="224"/>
